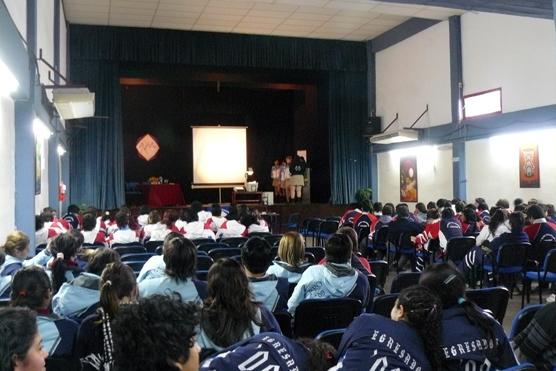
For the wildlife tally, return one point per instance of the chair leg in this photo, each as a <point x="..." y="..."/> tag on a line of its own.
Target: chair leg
<point x="540" y="292"/>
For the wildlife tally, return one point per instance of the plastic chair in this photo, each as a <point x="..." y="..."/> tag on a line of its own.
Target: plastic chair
<point x="152" y="245"/>
<point x="317" y="251"/>
<point x="124" y="250"/>
<point x="522" y="319"/>
<point x="204" y="262"/>
<point x="371" y="278"/>
<point x="380" y="270"/>
<point x="273" y="239"/>
<point x="206" y="247"/>
<point x="383" y="304"/>
<point x="493" y="299"/>
<point x="129" y="244"/>
<point x="382" y="244"/>
<point x="310" y="258"/>
<point x="137" y="257"/>
<point x="136" y="266"/>
<point x="405" y="246"/>
<point x="284" y="320"/>
<point x="458" y="247"/>
<point x="158" y="250"/>
<point x="234" y="241"/>
<point x="326" y="229"/>
<point x="332" y="337"/>
<point x="316" y="315"/>
<point x="200" y="241"/>
<point x="404" y="280"/>
<point x="293" y="222"/>
<point x="260" y="234"/>
<point x="201" y="275"/>
<point x="228" y="252"/>
<point x="522" y="367"/>
<point x="544" y="273"/>
<point x="312" y="229"/>
<point x="510" y="260"/>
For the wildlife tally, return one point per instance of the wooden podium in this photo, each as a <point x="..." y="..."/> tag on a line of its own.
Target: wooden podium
<point x="249" y="198"/>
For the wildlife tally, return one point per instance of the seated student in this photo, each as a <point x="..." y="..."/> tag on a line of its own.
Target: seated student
<point x="503" y="204"/>
<point x="550" y="214"/>
<point x="459" y="208"/>
<point x="253" y="223"/>
<point x="281" y="353"/>
<point x="377" y="209"/>
<point x="291" y="253"/>
<point x="77" y="298"/>
<point x="384" y="219"/>
<point x="195" y="228"/>
<point x="94" y="344"/>
<point x="229" y="313"/>
<point x="216" y="219"/>
<point x="537" y="342"/>
<point x="55" y="226"/>
<point x="41" y="234"/>
<point x="471" y="339"/>
<point x="16" y="249"/>
<point x="180" y="259"/>
<point x="72" y="217"/>
<point x="91" y="235"/>
<point x="356" y="212"/>
<point x="197" y="209"/>
<point x="5" y="281"/>
<point x="335" y="279"/>
<point x="420" y="212"/>
<point x="516" y="234"/>
<point x="498" y="224"/>
<point x="231" y="227"/>
<point x="403" y="224"/>
<point x="143" y="217"/>
<point x="154" y="229"/>
<point x="431" y="232"/>
<point x="31" y="288"/>
<point x="538" y="227"/>
<point x="124" y="234"/>
<point x="358" y="262"/>
<point x="156" y="334"/>
<point x="450" y="227"/>
<point x="21" y="348"/>
<point x="268" y="289"/>
<point x="64" y="267"/>
<point x="482" y="211"/>
<point x="469" y="224"/>
<point x="409" y="341"/>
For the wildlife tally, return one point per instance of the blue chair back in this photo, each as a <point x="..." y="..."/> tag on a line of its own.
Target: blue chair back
<point x="206" y="247"/>
<point x="316" y="315"/>
<point x="522" y="319"/>
<point x="332" y="337"/>
<point x="228" y="252"/>
<point x="123" y="250"/>
<point x="383" y="304"/>
<point x="458" y="247"/>
<point x="204" y="262"/>
<point x="512" y="257"/>
<point x="137" y="257"/>
<point x="404" y="280"/>
<point x="493" y="299"/>
<point x="234" y="241"/>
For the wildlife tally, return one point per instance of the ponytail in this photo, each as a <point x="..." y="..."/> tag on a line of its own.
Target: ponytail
<point x="423" y="311"/>
<point x="117" y="282"/>
<point x="109" y="301"/>
<point x="59" y="269"/>
<point x="66" y="245"/>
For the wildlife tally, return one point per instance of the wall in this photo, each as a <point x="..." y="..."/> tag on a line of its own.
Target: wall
<point x="18" y="12"/>
<point x="434" y="173"/>
<point x="42" y="199"/>
<point x="515" y="53"/>
<point x="412" y="74"/>
<point x="7" y="164"/>
<point x="493" y="167"/>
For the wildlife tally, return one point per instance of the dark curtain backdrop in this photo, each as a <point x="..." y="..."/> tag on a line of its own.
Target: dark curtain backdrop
<point x="96" y="52"/>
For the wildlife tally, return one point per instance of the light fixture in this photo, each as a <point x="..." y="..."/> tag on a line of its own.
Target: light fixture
<point x="73" y="103"/>
<point x="9" y="83"/>
<point x="61" y="150"/>
<point x="40" y="129"/>
<point x="404" y="135"/>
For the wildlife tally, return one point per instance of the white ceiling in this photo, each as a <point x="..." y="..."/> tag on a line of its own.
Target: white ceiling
<point x="357" y="20"/>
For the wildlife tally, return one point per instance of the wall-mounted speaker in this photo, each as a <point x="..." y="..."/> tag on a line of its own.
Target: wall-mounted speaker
<point x="374" y="125"/>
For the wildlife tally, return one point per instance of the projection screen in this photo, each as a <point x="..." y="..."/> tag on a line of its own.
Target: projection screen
<point x="219" y="156"/>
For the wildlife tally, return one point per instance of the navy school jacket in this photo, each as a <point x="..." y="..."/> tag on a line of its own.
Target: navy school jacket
<point x="271" y="291"/>
<point x="403" y="225"/>
<point x="58" y="335"/>
<point x="373" y="342"/>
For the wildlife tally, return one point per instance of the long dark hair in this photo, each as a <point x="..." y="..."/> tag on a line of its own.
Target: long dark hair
<point x="497" y="218"/>
<point x="449" y="284"/>
<point x="30" y="287"/>
<point x="229" y="309"/>
<point x="180" y="257"/>
<point x="116" y="282"/>
<point x="423" y="311"/>
<point x="66" y="244"/>
<point x="18" y="327"/>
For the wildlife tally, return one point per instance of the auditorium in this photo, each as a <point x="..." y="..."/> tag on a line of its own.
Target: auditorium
<point x="304" y="185"/>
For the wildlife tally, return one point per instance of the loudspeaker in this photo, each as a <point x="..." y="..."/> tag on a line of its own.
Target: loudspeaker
<point x="374" y="125"/>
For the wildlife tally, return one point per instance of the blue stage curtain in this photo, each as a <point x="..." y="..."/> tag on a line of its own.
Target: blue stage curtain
<point x="96" y="153"/>
<point x="98" y="51"/>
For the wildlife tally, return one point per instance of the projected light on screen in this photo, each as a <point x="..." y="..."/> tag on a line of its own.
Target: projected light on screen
<point x="219" y="155"/>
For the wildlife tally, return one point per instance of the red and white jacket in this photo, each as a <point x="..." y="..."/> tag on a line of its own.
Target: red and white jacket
<point x="231" y="228"/>
<point x="214" y="223"/>
<point x="94" y="237"/>
<point x="57" y="227"/>
<point x="196" y="230"/>
<point x="125" y="235"/>
<point x="431" y="232"/>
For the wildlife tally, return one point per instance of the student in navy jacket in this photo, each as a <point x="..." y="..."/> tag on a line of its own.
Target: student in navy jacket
<point x="450" y="227"/>
<point x="335" y="279"/>
<point x="180" y="258"/>
<point x="230" y="313"/>
<point x="539" y="227"/>
<point x="272" y="351"/>
<point x="403" y="224"/>
<point x="516" y="235"/>
<point x="409" y="341"/>
<point x="94" y="342"/>
<point x="471" y="339"/>
<point x="31" y="288"/>
<point x="156" y="334"/>
<point x="268" y="289"/>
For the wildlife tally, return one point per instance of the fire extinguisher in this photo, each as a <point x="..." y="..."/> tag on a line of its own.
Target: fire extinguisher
<point x="62" y="192"/>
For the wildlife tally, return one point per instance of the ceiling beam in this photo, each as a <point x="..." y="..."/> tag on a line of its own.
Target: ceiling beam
<point x="528" y="8"/>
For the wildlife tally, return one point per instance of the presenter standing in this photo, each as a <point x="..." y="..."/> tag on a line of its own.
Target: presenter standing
<point x="285" y="177"/>
<point x="275" y="176"/>
<point x="297" y="179"/>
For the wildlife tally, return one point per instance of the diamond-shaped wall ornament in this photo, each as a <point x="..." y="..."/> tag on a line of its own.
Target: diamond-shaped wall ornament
<point x="147" y="147"/>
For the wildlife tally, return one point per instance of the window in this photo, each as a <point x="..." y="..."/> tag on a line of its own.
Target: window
<point x="482" y="104"/>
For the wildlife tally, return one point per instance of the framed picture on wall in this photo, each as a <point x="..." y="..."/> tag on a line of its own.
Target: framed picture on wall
<point x="38" y="165"/>
<point x="529" y="171"/>
<point x="408" y="179"/>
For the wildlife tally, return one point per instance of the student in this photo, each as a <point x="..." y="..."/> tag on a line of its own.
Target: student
<point x="537" y="342"/>
<point x="229" y="313"/>
<point x="216" y="220"/>
<point x="516" y="234"/>
<point x="154" y="230"/>
<point x="156" y="334"/>
<point x="79" y="297"/>
<point x="450" y="227"/>
<point x="124" y="234"/>
<point x="431" y="232"/>
<point x="31" y="288"/>
<point x="198" y="209"/>
<point x="16" y="249"/>
<point x="231" y="227"/>
<point x="21" y="347"/>
<point x="335" y="279"/>
<point x="268" y="289"/>
<point x="420" y="212"/>
<point x="291" y="253"/>
<point x="384" y="220"/>
<point x="377" y="209"/>
<point x="503" y="204"/>
<point x="359" y="217"/>
<point x="143" y="217"/>
<point x="5" y="281"/>
<point x="285" y="177"/>
<point x="538" y="227"/>
<point x="409" y="341"/>
<point x="550" y="214"/>
<point x="91" y="235"/>
<point x="64" y="267"/>
<point x="196" y="228"/>
<point x="498" y="224"/>
<point x="471" y="339"/>
<point x="358" y="262"/>
<point x="406" y="226"/>
<point x="469" y="224"/>
<point x="253" y="223"/>
<point x="41" y="234"/>
<point x="180" y="259"/>
<point x="72" y="217"/>
<point x="482" y="211"/>
<point x="297" y="180"/>
<point x="275" y="176"/>
<point x="272" y="351"/>
<point x="94" y="340"/>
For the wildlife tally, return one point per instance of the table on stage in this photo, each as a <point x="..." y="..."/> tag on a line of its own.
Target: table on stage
<point x="158" y="195"/>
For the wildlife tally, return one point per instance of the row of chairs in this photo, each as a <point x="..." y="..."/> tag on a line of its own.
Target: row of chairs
<point x="319" y="229"/>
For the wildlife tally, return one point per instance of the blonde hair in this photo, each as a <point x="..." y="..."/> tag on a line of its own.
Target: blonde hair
<point x="292" y="249"/>
<point x="16" y="241"/>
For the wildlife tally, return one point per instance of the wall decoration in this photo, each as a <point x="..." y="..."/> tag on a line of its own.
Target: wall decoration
<point x="408" y="179"/>
<point x="38" y="165"/>
<point x="529" y="171"/>
<point x="147" y="147"/>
